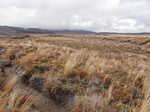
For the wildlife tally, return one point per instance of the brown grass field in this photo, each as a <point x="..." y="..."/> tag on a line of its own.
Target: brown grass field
<point x="75" y="73"/>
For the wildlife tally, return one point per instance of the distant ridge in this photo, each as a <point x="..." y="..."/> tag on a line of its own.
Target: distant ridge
<point x="11" y="30"/>
<point x="8" y="30"/>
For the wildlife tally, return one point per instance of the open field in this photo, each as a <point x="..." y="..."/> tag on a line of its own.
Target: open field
<point x="75" y="73"/>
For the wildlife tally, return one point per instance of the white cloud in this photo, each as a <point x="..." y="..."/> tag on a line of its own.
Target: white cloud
<point x="78" y="21"/>
<point x="97" y="15"/>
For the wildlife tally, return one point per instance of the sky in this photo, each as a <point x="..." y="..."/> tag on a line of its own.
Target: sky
<point x="94" y="15"/>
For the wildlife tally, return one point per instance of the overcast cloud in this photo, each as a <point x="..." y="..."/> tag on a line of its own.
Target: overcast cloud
<point x="95" y="15"/>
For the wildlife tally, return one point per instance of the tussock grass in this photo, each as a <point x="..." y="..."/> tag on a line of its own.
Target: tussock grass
<point x="19" y="103"/>
<point x="102" y="74"/>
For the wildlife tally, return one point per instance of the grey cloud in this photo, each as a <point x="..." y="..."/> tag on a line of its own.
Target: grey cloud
<point x="95" y="15"/>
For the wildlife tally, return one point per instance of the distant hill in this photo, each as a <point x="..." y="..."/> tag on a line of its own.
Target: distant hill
<point x="8" y="30"/>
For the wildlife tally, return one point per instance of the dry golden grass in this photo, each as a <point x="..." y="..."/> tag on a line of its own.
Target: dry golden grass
<point x="21" y="104"/>
<point x="82" y="73"/>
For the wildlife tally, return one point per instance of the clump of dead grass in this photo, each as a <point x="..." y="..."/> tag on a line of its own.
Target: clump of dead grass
<point x="22" y="103"/>
<point x="76" y="59"/>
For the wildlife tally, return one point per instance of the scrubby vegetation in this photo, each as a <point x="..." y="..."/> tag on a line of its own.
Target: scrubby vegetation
<point x="75" y="73"/>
